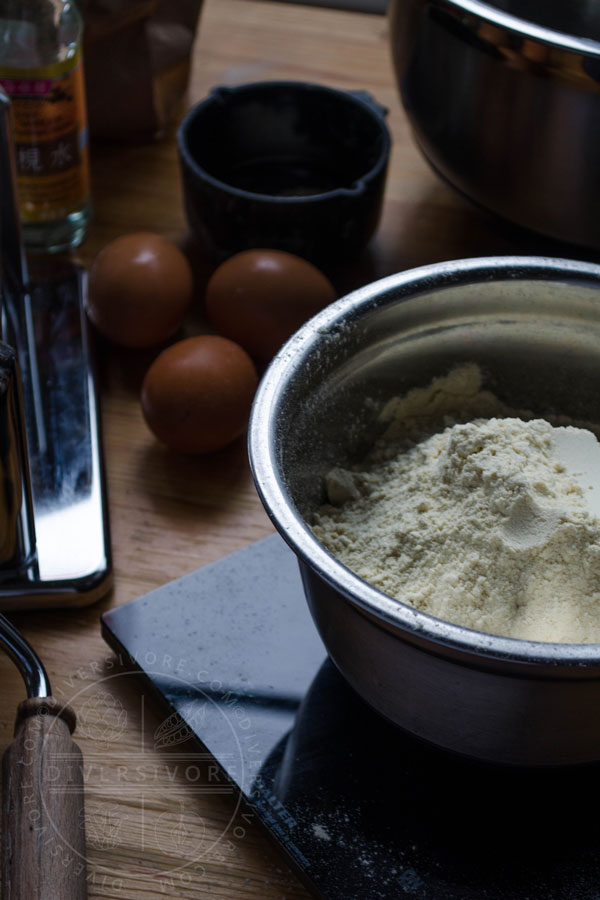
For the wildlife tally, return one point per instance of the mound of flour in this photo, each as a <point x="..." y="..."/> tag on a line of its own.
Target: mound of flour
<point x="490" y="523"/>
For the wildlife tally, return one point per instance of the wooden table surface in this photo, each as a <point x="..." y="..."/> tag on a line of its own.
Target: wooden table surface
<point x="170" y="515"/>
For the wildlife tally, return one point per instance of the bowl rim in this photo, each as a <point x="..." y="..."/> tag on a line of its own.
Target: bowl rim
<point x="270" y="487"/>
<point x="370" y="106"/>
<point x="525" y="27"/>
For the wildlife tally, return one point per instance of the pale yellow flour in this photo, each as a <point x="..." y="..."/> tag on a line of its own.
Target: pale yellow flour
<point x="482" y="523"/>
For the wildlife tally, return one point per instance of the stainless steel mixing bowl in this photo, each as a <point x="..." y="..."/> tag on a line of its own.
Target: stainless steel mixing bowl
<point x="533" y="325"/>
<point x="504" y="101"/>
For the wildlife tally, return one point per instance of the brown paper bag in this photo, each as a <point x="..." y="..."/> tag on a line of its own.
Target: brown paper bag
<point x="137" y="61"/>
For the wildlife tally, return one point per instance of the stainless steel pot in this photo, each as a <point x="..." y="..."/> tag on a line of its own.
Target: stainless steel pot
<point x="504" y="102"/>
<point x="533" y="325"/>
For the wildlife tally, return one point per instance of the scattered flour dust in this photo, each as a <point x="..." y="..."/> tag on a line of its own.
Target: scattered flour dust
<point x="320" y="832"/>
<point x="474" y="515"/>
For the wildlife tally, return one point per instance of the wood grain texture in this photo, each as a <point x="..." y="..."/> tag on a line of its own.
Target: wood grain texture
<point x="148" y="834"/>
<point x="43" y="836"/>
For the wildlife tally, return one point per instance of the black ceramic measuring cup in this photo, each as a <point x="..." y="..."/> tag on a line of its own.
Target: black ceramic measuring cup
<point x="282" y="164"/>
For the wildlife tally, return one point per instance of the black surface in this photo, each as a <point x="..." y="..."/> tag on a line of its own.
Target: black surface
<point x="363" y="810"/>
<point x="288" y="165"/>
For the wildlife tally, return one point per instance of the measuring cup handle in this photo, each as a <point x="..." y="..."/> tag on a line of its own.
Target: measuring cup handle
<point x="43" y="828"/>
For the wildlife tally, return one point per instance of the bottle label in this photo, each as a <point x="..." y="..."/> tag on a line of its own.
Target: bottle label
<point x="51" y="138"/>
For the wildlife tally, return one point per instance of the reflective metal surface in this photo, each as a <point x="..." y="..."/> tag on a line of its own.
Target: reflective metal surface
<point x="17" y="537"/>
<point x="37" y="683"/>
<point x="504" y="102"/>
<point x="50" y="420"/>
<point x="533" y="325"/>
<point x="360" y="809"/>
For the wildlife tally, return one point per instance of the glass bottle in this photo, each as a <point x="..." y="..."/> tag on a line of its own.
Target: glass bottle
<point x="41" y="71"/>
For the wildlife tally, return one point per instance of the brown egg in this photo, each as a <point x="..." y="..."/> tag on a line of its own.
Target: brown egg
<point x="259" y="298"/>
<point x="140" y="286"/>
<point x="197" y="394"/>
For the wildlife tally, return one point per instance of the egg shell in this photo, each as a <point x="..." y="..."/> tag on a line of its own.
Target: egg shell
<point x="197" y="394"/>
<point x="259" y="298"/>
<point x="140" y="286"/>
